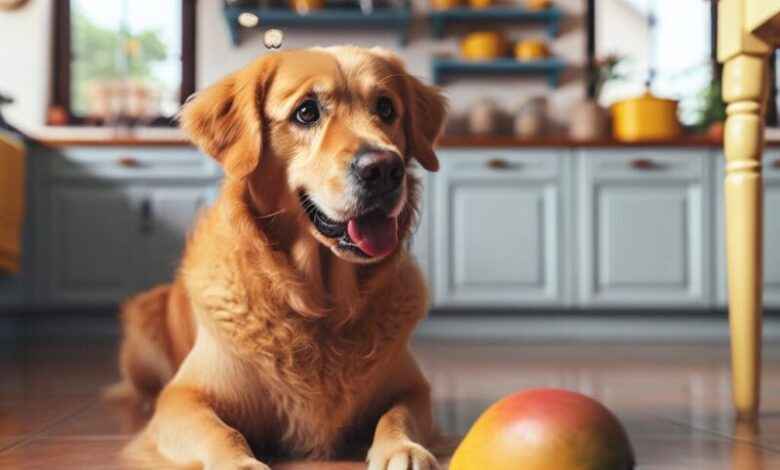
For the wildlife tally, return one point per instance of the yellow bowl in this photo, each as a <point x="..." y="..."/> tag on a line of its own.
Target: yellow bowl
<point x="483" y="45"/>
<point x="531" y="49"/>
<point x="645" y="118"/>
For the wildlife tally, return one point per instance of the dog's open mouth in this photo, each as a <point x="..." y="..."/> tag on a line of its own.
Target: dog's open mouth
<point x="372" y="234"/>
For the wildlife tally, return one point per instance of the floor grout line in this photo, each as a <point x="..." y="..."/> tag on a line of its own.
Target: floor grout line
<point x="36" y="433"/>
<point x="721" y="434"/>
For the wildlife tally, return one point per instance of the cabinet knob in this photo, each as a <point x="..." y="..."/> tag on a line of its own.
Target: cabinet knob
<point x="497" y="163"/>
<point x="643" y="164"/>
<point x="128" y="162"/>
<point x="776" y="164"/>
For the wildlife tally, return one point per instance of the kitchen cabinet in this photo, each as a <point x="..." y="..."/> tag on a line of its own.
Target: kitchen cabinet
<point x="644" y="219"/>
<point x="498" y="228"/>
<point x="116" y="220"/>
<point x="93" y="243"/>
<point x="771" y="230"/>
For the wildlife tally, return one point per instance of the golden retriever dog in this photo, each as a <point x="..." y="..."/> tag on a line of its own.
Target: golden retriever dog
<point x="286" y="331"/>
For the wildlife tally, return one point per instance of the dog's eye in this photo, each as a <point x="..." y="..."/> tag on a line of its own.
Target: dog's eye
<point x="307" y="113"/>
<point x="385" y="110"/>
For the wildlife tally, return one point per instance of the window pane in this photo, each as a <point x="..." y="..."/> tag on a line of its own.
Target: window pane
<point x="678" y="49"/>
<point x="125" y="59"/>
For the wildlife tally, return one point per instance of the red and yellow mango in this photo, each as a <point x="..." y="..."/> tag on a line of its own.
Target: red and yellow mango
<point x="545" y="429"/>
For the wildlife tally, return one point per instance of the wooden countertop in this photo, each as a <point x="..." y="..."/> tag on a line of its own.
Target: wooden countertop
<point x="444" y="142"/>
<point x="563" y="141"/>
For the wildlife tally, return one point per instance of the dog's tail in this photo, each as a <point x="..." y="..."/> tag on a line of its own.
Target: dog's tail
<point x="145" y="360"/>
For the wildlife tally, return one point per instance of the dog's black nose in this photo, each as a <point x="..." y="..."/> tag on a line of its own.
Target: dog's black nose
<point x="379" y="170"/>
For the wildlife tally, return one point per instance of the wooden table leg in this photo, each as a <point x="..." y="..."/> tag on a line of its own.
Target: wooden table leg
<point x="744" y="91"/>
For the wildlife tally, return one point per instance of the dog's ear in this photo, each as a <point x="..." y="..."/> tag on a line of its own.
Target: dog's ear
<point x="425" y="114"/>
<point x="225" y="120"/>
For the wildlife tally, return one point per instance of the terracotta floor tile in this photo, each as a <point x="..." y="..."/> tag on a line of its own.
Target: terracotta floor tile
<point x="674" y="400"/>
<point x="21" y="416"/>
<point x="101" y="419"/>
<point x="696" y="452"/>
<point x="64" y="454"/>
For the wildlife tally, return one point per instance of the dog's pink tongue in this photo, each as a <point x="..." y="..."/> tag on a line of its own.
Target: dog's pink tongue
<point x="375" y="234"/>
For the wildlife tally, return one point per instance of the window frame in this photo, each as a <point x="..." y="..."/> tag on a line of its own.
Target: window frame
<point x="61" y="64"/>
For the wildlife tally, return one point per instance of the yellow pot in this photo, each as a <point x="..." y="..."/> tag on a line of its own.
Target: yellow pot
<point x="483" y="45"/>
<point x="477" y="4"/>
<point x="530" y="49"/>
<point x="645" y="118"/>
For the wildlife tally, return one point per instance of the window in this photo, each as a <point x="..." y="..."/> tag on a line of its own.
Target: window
<point x="666" y="43"/>
<point x="127" y="62"/>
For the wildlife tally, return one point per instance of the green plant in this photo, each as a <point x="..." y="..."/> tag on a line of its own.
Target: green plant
<point x="709" y="107"/>
<point x="602" y="70"/>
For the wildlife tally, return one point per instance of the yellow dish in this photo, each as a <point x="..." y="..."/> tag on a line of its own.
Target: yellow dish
<point x="645" y="118"/>
<point x="483" y="45"/>
<point x="531" y="49"/>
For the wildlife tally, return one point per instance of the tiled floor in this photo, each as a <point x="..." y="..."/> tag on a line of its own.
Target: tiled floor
<point x="672" y="398"/>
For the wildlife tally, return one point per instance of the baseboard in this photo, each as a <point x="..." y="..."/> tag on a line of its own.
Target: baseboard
<point x="71" y="323"/>
<point x="586" y="326"/>
<point x="625" y="325"/>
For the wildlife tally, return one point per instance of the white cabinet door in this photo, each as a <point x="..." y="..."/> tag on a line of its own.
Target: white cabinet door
<point x="644" y="216"/>
<point x="93" y="241"/>
<point x="771" y="230"/>
<point x="168" y="213"/>
<point x="498" y="236"/>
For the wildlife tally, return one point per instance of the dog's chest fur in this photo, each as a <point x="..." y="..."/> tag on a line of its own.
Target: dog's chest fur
<point x="310" y="378"/>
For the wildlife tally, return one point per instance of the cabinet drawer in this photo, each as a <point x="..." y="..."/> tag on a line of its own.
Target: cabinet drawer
<point x="512" y="163"/>
<point x="645" y="164"/>
<point x="126" y="163"/>
<point x="643" y="238"/>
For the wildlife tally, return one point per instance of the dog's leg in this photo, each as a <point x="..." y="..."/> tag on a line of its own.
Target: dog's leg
<point x="188" y="430"/>
<point x="400" y="431"/>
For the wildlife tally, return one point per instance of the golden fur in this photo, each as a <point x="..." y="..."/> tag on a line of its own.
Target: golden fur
<point x="272" y="341"/>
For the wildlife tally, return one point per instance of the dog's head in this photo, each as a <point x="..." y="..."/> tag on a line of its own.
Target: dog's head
<point x="328" y="136"/>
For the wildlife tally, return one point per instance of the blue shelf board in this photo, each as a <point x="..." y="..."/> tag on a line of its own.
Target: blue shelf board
<point x="549" y="16"/>
<point x="550" y="67"/>
<point x="393" y="18"/>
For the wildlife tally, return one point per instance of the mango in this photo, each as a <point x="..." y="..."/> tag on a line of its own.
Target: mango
<point x="545" y="429"/>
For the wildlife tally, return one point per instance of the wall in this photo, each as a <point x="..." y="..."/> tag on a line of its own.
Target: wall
<point x="25" y="57"/>
<point x="25" y="60"/>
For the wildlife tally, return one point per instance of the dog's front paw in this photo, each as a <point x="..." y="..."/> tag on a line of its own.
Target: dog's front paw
<point x="401" y="455"/>
<point x="246" y="463"/>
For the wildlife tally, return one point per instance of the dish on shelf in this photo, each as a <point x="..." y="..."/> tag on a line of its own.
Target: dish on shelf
<point x="531" y="49"/>
<point x="483" y="45"/>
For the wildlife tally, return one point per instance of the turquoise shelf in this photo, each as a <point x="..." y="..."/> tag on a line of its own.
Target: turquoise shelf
<point x="551" y="68"/>
<point x="551" y="17"/>
<point x="392" y="18"/>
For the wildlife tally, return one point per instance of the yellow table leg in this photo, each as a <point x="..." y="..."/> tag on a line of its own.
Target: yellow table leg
<point x="744" y="91"/>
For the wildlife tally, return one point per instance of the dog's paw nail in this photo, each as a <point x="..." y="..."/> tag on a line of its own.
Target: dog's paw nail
<point x="401" y="456"/>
